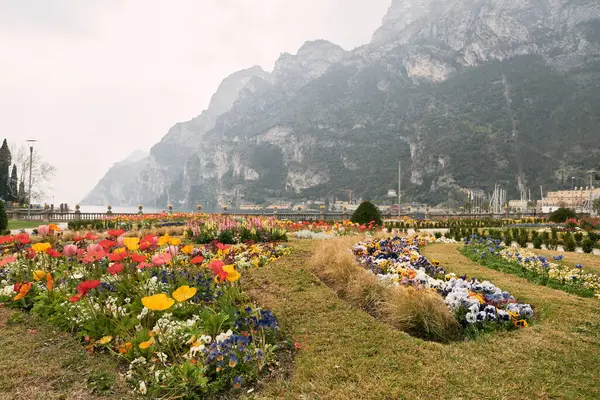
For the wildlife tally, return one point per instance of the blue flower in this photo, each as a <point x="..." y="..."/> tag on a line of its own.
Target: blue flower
<point x="579" y="266"/>
<point x="237" y="382"/>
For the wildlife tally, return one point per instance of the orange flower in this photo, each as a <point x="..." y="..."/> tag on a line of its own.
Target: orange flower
<point x="125" y="347"/>
<point x="49" y="281"/>
<point x="147" y="343"/>
<point x="24" y="289"/>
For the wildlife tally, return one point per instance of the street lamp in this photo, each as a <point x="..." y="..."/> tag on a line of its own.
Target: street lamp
<point x="30" y="142"/>
<point x="573" y="183"/>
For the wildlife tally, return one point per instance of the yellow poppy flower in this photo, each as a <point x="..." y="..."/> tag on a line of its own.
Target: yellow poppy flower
<point x="132" y="243"/>
<point x="164" y="240"/>
<point x="38" y="275"/>
<point x="187" y="249"/>
<point x="41" y="247"/>
<point x="119" y="250"/>
<point x="105" y="340"/>
<point x="174" y="241"/>
<point x="232" y="274"/>
<point x="147" y="343"/>
<point x="158" y="302"/>
<point x="184" y="293"/>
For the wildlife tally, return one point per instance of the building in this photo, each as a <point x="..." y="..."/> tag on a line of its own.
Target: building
<point x="576" y="199"/>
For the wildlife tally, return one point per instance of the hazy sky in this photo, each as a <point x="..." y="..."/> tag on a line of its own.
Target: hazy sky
<point x="94" y="80"/>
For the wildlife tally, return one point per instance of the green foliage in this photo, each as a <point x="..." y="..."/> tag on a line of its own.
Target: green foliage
<point x="578" y="236"/>
<point x="537" y="242"/>
<point x="3" y="218"/>
<point x="510" y="267"/>
<point x="5" y="163"/>
<point x="587" y="246"/>
<point x="569" y="242"/>
<point x="366" y="213"/>
<point x="561" y="215"/>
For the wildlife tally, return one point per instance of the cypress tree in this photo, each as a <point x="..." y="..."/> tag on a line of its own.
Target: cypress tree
<point x="5" y="161"/>
<point x="22" y="196"/>
<point x="366" y="213"/>
<point x="13" y="184"/>
<point x="3" y="218"/>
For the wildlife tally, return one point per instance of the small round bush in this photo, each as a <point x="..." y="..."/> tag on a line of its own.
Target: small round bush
<point x="537" y="242"/>
<point x="365" y="213"/>
<point x="561" y="215"/>
<point x="587" y="245"/>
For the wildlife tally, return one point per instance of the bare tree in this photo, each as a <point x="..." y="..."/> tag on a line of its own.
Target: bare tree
<point x="41" y="174"/>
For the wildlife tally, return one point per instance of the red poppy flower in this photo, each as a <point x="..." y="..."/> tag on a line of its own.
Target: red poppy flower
<point x="90" y="236"/>
<point x="217" y="268"/>
<point x="6" y="239"/>
<point x="197" y="260"/>
<point x="75" y="298"/>
<point x="135" y="257"/>
<point x="115" y="268"/>
<point x="115" y="232"/>
<point x="54" y="253"/>
<point x="22" y="238"/>
<point x="17" y="287"/>
<point x="117" y="256"/>
<point x="147" y="242"/>
<point x="30" y="253"/>
<point x="78" y="238"/>
<point x="107" y="244"/>
<point x="222" y="246"/>
<point x="86" y="286"/>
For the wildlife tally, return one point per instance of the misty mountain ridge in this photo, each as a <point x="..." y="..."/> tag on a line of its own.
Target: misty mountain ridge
<point x="466" y="93"/>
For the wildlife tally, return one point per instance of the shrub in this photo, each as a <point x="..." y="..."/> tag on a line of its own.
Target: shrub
<point x="3" y="218"/>
<point x="593" y="237"/>
<point x="537" y="242"/>
<point x="561" y="215"/>
<point x="578" y="236"/>
<point x="522" y="240"/>
<point x="508" y="239"/>
<point x="587" y="245"/>
<point x="365" y="213"/>
<point x="569" y="242"/>
<point x="438" y="235"/>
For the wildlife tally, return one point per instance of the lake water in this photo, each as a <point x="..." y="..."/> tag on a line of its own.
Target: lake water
<point x="117" y="209"/>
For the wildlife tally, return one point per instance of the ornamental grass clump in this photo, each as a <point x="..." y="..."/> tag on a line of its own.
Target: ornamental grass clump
<point x="420" y="313"/>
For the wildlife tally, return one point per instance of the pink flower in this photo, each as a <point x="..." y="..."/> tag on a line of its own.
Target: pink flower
<point x="93" y="248"/>
<point x="7" y="260"/>
<point x="173" y="250"/>
<point x="43" y="230"/>
<point x="161" y="259"/>
<point x="143" y="265"/>
<point x="120" y="241"/>
<point x="70" y="250"/>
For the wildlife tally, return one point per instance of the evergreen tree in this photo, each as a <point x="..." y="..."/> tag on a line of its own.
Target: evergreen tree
<point x="13" y="184"/>
<point x="365" y="213"/>
<point x="5" y="161"/>
<point x="22" y="196"/>
<point x="3" y="218"/>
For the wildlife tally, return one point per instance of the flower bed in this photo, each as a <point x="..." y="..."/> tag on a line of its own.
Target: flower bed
<point x="173" y="310"/>
<point x="478" y="306"/>
<point x="527" y="264"/>
<point x="230" y="230"/>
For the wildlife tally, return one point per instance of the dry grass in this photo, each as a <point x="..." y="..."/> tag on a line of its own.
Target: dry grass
<point x="419" y="312"/>
<point x="38" y="363"/>
<point x="348" y="354"/>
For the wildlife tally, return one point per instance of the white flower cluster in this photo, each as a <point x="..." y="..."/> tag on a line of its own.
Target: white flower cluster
<point x="221" y="337"/>
<point x="153" y="285"/>
<point x="172" y="331"/>
<point x="80" y="312"/>
<point x="7" y="290"/>
<point x="112" y="308"/>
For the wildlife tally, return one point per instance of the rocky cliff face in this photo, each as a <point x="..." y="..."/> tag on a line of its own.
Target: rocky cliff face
<point x="468" y="93"/>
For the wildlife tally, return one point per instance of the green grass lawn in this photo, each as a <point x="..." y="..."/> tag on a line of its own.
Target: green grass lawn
<point x="347" y="354"/>
<point x="18" y="224"/>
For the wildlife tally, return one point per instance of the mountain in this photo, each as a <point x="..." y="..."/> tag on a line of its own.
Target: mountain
<point x="467" y="93"/>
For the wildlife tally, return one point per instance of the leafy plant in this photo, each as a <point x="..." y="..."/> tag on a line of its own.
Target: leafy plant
<point x="561" y="215"/>
<point x="366" y="213"/>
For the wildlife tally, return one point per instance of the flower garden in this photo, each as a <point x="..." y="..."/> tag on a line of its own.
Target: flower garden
<point x="201" y="306"/>
<point x="173" y="310"/>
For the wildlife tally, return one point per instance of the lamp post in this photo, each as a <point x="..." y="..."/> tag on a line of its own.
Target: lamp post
<point x="30" y="142"/>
